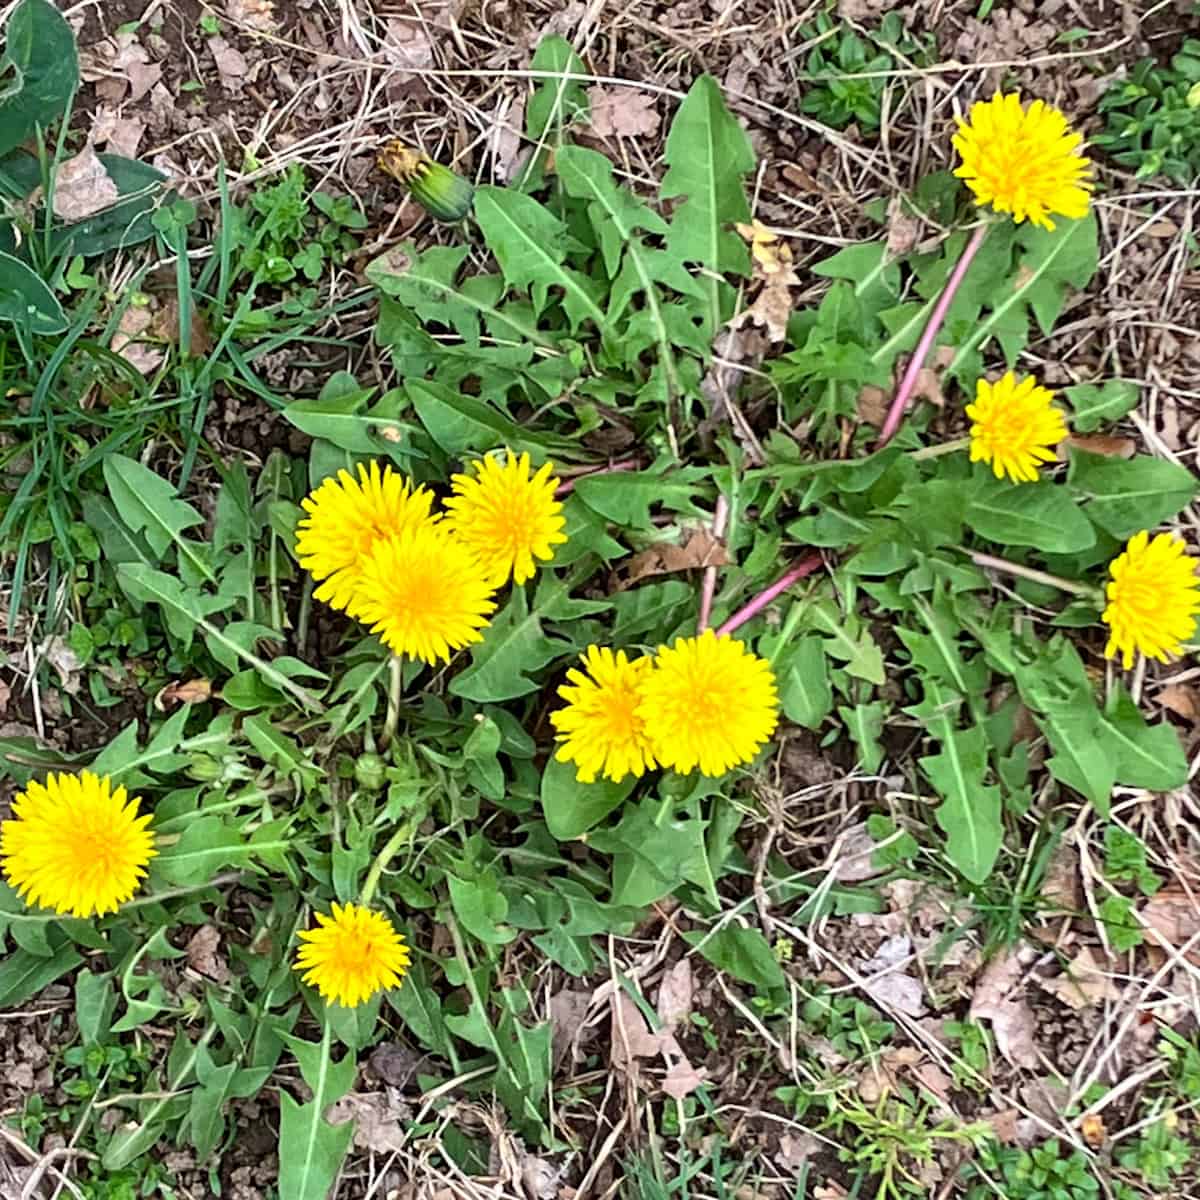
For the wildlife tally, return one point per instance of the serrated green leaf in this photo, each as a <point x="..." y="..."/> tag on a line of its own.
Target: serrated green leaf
<point x="864" y="723"/>
<point x="556" y="102"/>
<point x="805" y="692"/>
<point x="1147" y="756"/>
<point x="708" y="154"/>
<point x="530" y="244"/>
<point x="1083" y="757"/>
<point x="1040" y="515"/>
<point x="1129" y="496"/>
<point x="458" y="423"/>
<point x="742" y="952"/>
<point x="339" y="415"/>
<point x="1094" y="404"/>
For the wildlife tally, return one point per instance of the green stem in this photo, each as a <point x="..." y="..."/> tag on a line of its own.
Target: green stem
<point x="395" y="691"/>
<point x="402" y="834"/>
<point x="1012" y="568"/>
<point x="936" y="451"/>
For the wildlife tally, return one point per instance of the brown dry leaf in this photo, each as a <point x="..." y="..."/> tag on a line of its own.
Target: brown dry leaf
<point x="631" y="1036"/>
<point x="117" y="134"/>
<point x="675" y="995"/>
<point x="396" y="1065"/>
<point x="165" y="326"/>
<point x="903" y="228"/>
<point x="683" y="1079"/>
<point x="255" y="14"/>
<point x="795" y="1149"/>
<point x="1173" y="918"/>
<point x="771" y="310"/>
<point x="202" y="954"/>
<point x="1005" y="1125"/>
<point x="568" y="1010"/>
<point x="622" y="112"/>
<point x="1061" y="887"/>
<point x="183" y="691"/>
<point x="1083" y="984"/>
<point x="231" y="63"/>
<point x="408" y="45"/>
<point x="883" y="1075"/>
<point x="1097" y="443"/>
<point x="126" y="341"/>
<point x="118" y="64"/>
<point x="82" y="187"/>
<point x="1013" y="1021"/>
<point x="873" y="405"/>
<point x="5" y="696"/>
<point x="65" y="661"/>
<point x="856" y="856"/>
<point x="700" y="550"/>
<point x="1182" y="699"/>
<point x="507" y="140"/>
<point x="1092" y="1128"/>
<point x="889" y="986"/>
<point x="378" y="1123"/>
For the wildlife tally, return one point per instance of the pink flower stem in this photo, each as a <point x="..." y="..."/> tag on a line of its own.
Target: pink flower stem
<point x="568" y="485"/>
<point x="895" y="415"/>
<point x="806" y="566"/>
<point x="709" y="587"/>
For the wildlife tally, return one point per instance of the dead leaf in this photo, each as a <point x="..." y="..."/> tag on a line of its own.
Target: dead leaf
<point x="1182" y="699"/>
<point x="883" y="1075"/>
<point x="1005" y="1125"/>
<point x="231" y="63"/>
<point x="1013" y="1022"/>
<point x="507" y="141"/>
<point x="622" y="112"/>
<point x="82" y="187"/>
<point x="202" y="954"/>
<point x="116" y="133"/>
<point x="1092" y="1128"/>
<point x="903" y="228"/>
<point x="539" y="1178"/>
<point x="65" y="661"/>
<point x="794" y="1150"/>
<point x="631" y="1036"/>
<point x="165" y="326"/>
<point x="771" y="309"/>
<point x="1173" y="918"/>
<point x="683" y="1079"/>
<point x="700" y="550"/>
<point x="1061" y="888"/>
<point x="675" y="995"/>
<point x="396" y="1065"/>
<point x="127" y="340"/>
<point x="254" y="14"/>
<point x="855" y="856"/>
<point x="568" y="1010"/>
<point x="408" y="45"/>
<point x="117" y="65"/>
<point x="378" y="1123"/>
<point x="183" y="691"/>
<point x="1083" y="984"/>
<point x="873" y="404"/>
<point x="1096" y="443"/>
<point x="5" y="696"/>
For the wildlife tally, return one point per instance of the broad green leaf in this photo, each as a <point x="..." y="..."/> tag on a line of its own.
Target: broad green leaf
<point x="856" y="648"/>
<point x="742" y="952"/>
<point x="1094" y="404"/>
<point x="150" y="505"/>
<point x="805" y="693"/>
<point x="530" y="244"/>
<point x="708" y="154"/>
<point x="310" y="1149"/>
<point x="1083" y="758"/>
<point x="95" y="1003"/>
<point x="481" y="908"/>
<point x="571" y="807"/>
<point x="26" y="301"/>
<point x="865" y="724"/>
<point x="420" y="1008"/>
<point x="1148" y="756"/>
<point x="1129" y="496"/>
<point x="558" y="99"/>
<point x="119" y="543"/>
<point x="970" y="812"/>
<point x="40" y="56"/>
<point x="627" y="497"/>
<point x="340" y="415"/>
<point x="1041" y="515"/>
<point x="459" y="423"/>
<point x="23" y="975"/>
<point x="206" y="847"/>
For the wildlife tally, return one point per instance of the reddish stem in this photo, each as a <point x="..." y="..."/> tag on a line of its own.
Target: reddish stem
<point x="709" y="587"/>
<point x="908" y="384"/>
<point x="568" y="485"/>
<point x="806" y="566"/>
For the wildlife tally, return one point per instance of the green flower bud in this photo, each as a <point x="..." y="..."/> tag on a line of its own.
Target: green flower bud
<point x="444" y="195"/>
<point x="370" y="772"/>
<point x="203" y="769"/>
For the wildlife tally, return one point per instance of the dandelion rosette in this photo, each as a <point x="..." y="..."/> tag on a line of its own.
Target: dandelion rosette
<point x="708" y="703"/>
<point x="347" y="517"/>
<point x="1015" y="427"/>
<point x="599" y="728"/>
<point x="351" y="954"/>
<point x="508" y="517"/>
<point x="76" y="844"/>
<point x="1153" y="598"/>
<point x="1027" y="162"/>
<point x="424" y="592"/>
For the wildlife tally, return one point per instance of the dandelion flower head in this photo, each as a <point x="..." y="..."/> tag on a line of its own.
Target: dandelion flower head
<point x="424" y="592"/>
<point x="75" y="844"/>
<point x="1153" y="598"/>
<point x="507" y="516"/>
<point x="351" y="954"/>
<point x="345" y="519"/>
<point x="599" y="728"/>
<point x="1015" y="427"/>
<point x="1027" y="162"/>
<point x="708" y="703"/>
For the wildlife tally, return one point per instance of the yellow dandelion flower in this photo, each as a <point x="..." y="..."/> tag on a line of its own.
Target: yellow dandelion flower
<point x="76" y="845"/>
<point x="424" y="593"/>
<point x="708" y="703"/>
<point x="1153" y="598"/>
<point x="1015" y="427"/>
<point x="351" y="955"/>
<point x="600" y="729"/>
<point x="346" y="518"/>
<point x="1026" y="162"/>
<point x="506" y="516"/>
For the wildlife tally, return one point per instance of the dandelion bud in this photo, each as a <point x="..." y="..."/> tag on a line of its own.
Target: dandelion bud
<point x="443" y="194"/>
